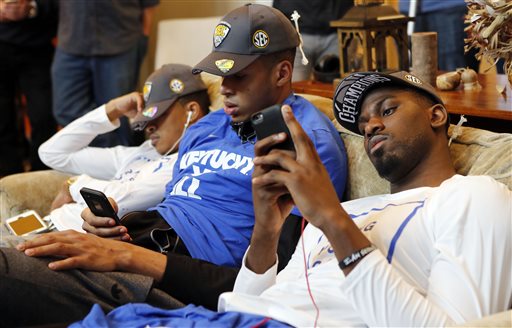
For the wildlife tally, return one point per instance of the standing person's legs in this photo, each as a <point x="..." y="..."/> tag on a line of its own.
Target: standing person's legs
<point x="72" y="87"/>
<point x="32" y="294"/>
<point x="449" y="25"/>
<point x="115" y="76"/>
<point x="328" y="45"/>
<point x="10" y="160"/>
<point x="36" y="84"/>
<point x="315" y="46"/>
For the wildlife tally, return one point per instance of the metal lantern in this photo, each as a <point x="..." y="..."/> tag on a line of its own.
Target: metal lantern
<point x="362" y="34"/>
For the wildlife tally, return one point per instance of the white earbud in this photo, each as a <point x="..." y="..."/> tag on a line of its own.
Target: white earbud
<point x="189" y="117"/>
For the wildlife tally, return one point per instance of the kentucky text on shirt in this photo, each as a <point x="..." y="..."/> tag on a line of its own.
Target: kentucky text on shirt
<point x="204" y="162"/>
<point x="216" y="159"/>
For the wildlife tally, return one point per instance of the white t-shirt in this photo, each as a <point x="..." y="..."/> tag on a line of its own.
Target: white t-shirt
<point x="444" y="256"/>
<point x="134" y="176"/>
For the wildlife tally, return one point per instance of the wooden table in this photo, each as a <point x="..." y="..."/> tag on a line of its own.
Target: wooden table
<point x="485" y="108"/>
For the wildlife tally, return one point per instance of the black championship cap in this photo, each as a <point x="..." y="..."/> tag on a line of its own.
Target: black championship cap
<point x="163" y="88"/>
<point x="351" y="91"/>
<point x="245" y="34"/>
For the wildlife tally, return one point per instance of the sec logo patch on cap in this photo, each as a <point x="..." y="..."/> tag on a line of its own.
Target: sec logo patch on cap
<point x="413" y="79"/>
<point x="146" y="91"/>
<point x="176" y="86"/>
<point x="220" y="33"/>
<point x="260" y="39"/>
<point x="224" y="65"/>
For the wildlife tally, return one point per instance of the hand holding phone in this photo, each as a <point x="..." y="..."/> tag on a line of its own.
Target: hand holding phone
<point x="98" y="204"/>
<point x="270" y="121"/>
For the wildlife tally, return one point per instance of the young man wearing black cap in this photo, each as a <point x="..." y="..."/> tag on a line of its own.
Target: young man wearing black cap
<point x="434" y="252"/>
<point x="420" y="256"/>
<point x="208" y="203"/>
<point x="134" y="176"/>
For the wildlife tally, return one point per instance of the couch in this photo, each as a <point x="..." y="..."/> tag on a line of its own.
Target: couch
<point x="474" y="152"/>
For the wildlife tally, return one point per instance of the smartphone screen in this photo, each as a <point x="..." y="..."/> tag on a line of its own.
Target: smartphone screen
<point x="270" y="121"/>
<point x="25" y="224"/>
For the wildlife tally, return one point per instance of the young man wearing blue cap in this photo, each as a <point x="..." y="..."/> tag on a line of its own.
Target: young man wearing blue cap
<point x="434" y="252"/>
<point x="208" y="203"/>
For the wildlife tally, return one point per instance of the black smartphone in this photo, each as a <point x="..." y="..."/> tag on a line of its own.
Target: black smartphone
<point x="270" y="121"/>
<point x="99" y="204"/>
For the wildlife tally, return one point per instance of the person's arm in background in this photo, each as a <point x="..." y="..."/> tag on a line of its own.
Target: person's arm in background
<point x="67" y="151"/>
<point x="148" y="12"/>
<point x="28" y="9"/>
<point x="147" y="19"/>
<point x="16" y="11"/>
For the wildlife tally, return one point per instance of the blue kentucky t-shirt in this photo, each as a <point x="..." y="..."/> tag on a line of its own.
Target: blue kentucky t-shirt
<point x="209" y="200"/>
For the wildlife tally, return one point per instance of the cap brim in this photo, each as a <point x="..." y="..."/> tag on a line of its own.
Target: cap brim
<point x="140" y="121"/>
<point x="209" y="64"/>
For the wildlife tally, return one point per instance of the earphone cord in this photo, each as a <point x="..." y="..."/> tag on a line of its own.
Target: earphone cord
<point x="185" y="126"/>
<point x="306" y="274"/>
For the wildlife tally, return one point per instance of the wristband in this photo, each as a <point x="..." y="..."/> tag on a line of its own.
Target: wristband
<point x="71" y="180"/>
<point x="356" y="256"/>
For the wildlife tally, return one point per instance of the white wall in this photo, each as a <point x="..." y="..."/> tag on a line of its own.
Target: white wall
<point x="187" y="9"/>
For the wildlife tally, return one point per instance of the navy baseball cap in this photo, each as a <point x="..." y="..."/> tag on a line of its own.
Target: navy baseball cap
<point x="245" y="34"/>
<point x="351" y="91"/>
<point x="162" y="88"/>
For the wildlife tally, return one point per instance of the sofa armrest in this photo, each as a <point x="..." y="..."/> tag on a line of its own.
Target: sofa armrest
<point x="29" y="191"/>
<point x="501" y="319"/>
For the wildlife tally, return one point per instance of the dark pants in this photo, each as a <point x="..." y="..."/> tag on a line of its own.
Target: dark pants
<point x="26" y="71"/>
<point x="82" y="83"/>
<point x="449" y="25"/>
<point x="32" y="294"/>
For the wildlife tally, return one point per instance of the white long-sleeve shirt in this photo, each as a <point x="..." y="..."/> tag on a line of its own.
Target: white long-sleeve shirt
<point x="444" y="256"/>
<point x="134" y="176"/>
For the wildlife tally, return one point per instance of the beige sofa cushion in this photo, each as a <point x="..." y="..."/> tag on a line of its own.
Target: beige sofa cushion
<point x="477" y="152"/>
<point x="29" y="191"/>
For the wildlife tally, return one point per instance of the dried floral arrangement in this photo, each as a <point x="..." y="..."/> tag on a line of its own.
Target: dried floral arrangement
<point x="490" y="30"/>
